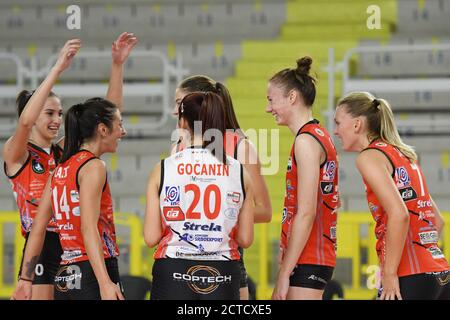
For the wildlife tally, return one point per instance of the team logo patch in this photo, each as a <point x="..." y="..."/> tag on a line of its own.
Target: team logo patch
<point x="326" y="187"/>
<point x="408" y="194"/>
<point x="402" y="177"/>
<point x="329" y="171"/>
<point x="319" y="132"/>
<point x="173" y="214"/>
<point x="37" y="167"/>
<point x="172" y="195"/>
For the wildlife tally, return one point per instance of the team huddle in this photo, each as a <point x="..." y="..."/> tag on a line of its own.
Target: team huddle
<point x="204" y="199"/>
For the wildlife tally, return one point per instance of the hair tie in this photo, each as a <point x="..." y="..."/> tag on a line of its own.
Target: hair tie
<point x="217" y="87"/>
<point x="376" y="104"/>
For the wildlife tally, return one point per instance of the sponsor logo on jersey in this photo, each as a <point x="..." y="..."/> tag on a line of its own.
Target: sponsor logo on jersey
<point x="202" y="227"/>
<point x="37" y="167"/>
<point x="202" y="279"/>
<point x="200" y="238"/>
<point x="402" y="177"/>
<point x="333" y="233"/>
<point x="233" y="198"/>
<point x="76" y="211"/>
<point x="289" y="164"/>
<point x="231" y="213"/>
<point x="430" y="237"/>
<point x="67" y="237"/>
<point x="69" y="255"/>
<point x="289" y="186"/>
<point x="66" y="227"/>
<point x="329" y="171"/>
<point x="173" y="214"/>
<point x="421" y="204"/>
<point x="198" y="256"/>
<point x="110" y="245"/>
<point x="326" y="187"/>
<point x="436" y="253"/>
<point x="74" y="196"/>
<point x="172" y="195"/>
<point x="319" y="132"/>
<point x="408" y="194"/>
<point x="283" y="219"/>
<point x="373" y="208"/>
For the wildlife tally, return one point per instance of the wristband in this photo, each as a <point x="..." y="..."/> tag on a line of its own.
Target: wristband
<point x="25" y="279"/>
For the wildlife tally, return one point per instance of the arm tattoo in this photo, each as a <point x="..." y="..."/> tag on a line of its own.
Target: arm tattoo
<point x="30" y="266"/>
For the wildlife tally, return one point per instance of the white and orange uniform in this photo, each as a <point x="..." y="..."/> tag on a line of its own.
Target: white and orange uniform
<point x="200" y="201"/>
<point x="421" y="252"/>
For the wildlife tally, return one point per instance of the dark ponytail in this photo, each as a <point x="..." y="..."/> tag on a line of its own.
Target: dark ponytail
<point x="81" y="123"/>
<point x="298" y="79"/>
<point x="209" y="110"/>
<point x="230" y="116"/>
<point x="24" y="96"/>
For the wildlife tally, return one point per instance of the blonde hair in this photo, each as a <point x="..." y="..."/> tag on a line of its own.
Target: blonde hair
<point x="380" y="120"/>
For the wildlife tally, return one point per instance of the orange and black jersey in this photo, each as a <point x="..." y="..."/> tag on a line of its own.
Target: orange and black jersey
<point x="29" y="182"/>
<point x="66" y="207"/>
<point x="321" y="245"/>
<point x="421" y="252"/>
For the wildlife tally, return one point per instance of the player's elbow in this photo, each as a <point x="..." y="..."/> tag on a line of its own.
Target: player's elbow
<point x="245" y="239"/>
<point x="151" y="239"/>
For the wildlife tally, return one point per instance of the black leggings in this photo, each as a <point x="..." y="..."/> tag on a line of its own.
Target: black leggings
<point x="425" y="286"/>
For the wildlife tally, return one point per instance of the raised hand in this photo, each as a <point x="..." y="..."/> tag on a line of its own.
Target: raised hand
<point x="122" y="47"/>
<point x="67" y="54"/>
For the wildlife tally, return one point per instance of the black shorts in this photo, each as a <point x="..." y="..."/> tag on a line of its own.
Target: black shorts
<point x="77" y="281"/>
<point x="311" y="276"/>
<point x="181" y="279"/>
<point x="244" y="281"/>
<point x="49" y="259"/>
<point x="425" y="286"/>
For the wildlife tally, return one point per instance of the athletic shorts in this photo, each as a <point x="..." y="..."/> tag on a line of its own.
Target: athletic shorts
<point x="424" y="286"/>
<point x="244" y="281"/>
<point x="181" y="279"/>
<point x="77" y="281"/>
<point x="49" y="260"/>
<point x="311" y="276"/>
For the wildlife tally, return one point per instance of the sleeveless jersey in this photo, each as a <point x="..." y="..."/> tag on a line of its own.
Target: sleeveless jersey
<point x="421" y="252"/>
<point x="29" y="182"/>
<point x="200" y="201"/>
<point x="66" y="207"/>
<point x="320" y="248"/>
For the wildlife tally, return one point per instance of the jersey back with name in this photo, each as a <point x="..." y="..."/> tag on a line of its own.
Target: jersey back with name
<point x="200" y="201"/>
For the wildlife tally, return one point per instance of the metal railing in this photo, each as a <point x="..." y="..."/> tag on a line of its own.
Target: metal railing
<point x="162" y="88"/>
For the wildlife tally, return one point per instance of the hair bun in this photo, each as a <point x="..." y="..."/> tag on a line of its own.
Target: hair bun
<point x="304" y="65"/>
